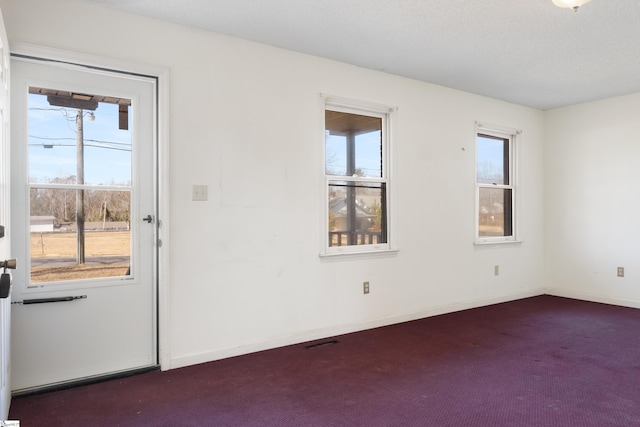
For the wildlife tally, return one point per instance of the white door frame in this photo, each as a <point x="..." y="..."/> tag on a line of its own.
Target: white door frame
<point x="162" y="168"/>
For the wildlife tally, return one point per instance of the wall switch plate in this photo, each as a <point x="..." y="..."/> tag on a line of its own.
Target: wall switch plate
<point x="200" y="193"/>
<point x="620" y="271"/>
<point x="496" y="270"/>
<point x="365" y="287"/>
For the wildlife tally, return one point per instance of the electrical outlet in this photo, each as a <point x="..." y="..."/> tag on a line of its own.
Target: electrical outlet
<point x="496" y="270"/>
<point x="365" y="287"/>
<point x="620" y="271"/>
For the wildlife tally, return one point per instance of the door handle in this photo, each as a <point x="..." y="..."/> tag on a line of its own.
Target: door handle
<point x="5" y="278"/>
<point x="149" y="219"/>
<point x="5" y="285"/>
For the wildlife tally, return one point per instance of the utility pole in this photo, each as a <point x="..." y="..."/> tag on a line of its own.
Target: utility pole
<point x="80" y="191"/>
<point x="82" y="103"/>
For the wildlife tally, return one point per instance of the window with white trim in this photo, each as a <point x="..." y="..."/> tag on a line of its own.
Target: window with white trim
<point x="356" y="169"/>
<point x="495" y="187"/>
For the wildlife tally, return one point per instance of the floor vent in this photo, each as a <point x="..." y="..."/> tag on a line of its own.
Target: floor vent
<point x="321" y="344"/>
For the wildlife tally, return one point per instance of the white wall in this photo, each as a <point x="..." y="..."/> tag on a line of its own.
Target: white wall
<point x="592" y="204"/>
<point x="245" y="271"/>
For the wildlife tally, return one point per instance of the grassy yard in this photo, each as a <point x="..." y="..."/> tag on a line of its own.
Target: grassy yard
<point x="100" y="243"/>
<point x="97" y="243"/>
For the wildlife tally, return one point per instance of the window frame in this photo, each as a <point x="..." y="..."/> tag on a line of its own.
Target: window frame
<point x="512" y="136"/>
<point x="385" y="113"/>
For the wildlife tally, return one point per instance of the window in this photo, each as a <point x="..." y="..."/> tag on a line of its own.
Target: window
<point x="356" y="172"/>
<point x="495" y="190"/>
<point x="79" y="178"/>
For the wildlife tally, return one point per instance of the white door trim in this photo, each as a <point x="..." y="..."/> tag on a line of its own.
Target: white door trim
<point x="162" y="171"/>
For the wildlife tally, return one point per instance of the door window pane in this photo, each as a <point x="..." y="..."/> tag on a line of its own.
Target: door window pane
<point x="78" y="144"/>
<point x="94" y="144"/>
<point x="55" y="239"/>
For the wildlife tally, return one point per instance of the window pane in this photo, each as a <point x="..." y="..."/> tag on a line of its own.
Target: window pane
<point x="492" y="160"/>
<point x="495" y="217"/>
<point x="357" y="213"/>
<point x="336" y="154"/>
<point x="369" y="154"/>
<point x="65" y="127"/>
<point x="353" y="144"/>
<point x="55" y="239"/>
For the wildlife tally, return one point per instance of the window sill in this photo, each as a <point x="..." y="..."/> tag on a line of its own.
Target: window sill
<point x="373" y="253"/>
<point x="497" y="243"/>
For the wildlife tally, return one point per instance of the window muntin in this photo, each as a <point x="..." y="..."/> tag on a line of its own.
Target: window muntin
<point x="356" y="180"/>
<point x="495" y="217"/>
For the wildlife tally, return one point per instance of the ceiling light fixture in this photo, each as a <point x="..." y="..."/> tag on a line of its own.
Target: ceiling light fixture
<point x="573" y="4"/>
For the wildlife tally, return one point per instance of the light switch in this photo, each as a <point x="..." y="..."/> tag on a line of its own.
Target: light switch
<point x="200" y="193"/>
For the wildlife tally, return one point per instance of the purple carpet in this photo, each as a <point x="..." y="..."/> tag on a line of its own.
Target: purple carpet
<point x="542" y="361"/>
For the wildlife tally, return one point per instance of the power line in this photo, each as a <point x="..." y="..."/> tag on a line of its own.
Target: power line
<point x="112" y="145"/>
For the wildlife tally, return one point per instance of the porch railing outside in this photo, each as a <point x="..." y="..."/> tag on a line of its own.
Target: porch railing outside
<point x="344" y="238"/>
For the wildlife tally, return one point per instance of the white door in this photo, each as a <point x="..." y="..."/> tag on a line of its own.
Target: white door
<point x="5" y="250"/>
<point x="83" y="221"/>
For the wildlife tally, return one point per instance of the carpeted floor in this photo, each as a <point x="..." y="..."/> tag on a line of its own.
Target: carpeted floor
<point x="542" y="361"/>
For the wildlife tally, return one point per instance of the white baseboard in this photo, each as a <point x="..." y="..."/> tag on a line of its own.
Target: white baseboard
<point x="311" y="335"/>
<point x="586" y="296"/>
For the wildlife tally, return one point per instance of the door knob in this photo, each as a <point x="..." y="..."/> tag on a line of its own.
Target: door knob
<point x="9" y="263"/>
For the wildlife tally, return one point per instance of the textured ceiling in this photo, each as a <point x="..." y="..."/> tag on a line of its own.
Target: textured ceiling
<point x="529" y="52"/>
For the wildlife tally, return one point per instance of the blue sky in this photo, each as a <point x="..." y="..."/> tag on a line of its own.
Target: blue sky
<point x="107" y="149"/>
<point x="490" y="158"/>
<point x="367" y="154"/>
